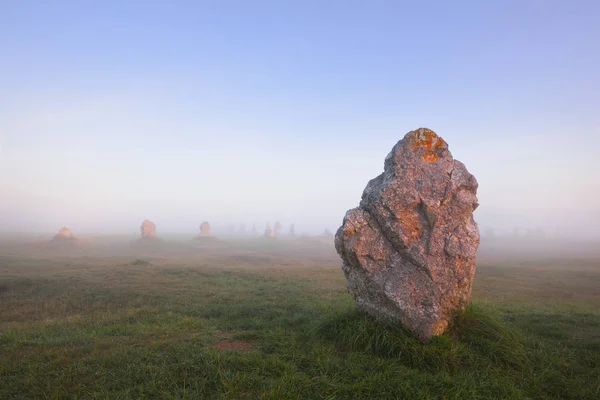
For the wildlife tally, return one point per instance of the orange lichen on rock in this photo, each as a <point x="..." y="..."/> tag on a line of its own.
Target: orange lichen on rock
<point x="349" y="232"/>
<point x="412" y="229"/>
<point x="428" y="140"/>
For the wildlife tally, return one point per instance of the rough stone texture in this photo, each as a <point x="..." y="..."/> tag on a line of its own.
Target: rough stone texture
<point x="409" y="249"/>
<point x="148" y="229"/>
<point x="205" y="230"/>
<point x="268" y="231"/>
<point x="64" y="235"/>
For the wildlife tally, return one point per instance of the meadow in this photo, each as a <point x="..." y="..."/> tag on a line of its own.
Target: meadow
<point x="256" y="318"/>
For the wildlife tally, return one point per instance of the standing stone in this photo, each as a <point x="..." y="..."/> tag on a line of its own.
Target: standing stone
<point x="277" y="230"/>
<point x="64" y="235"/>
<point x="254" y="230"/>
<point x="268" y="231"/>
<point x="292" y="230"/>
<point x="205" y="230"/>
<point x="327" y="233"/>
<point x="148" y="230"/>
<point x="408" y="249"/>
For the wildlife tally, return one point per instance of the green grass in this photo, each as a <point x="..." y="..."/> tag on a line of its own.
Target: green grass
<point x="269" y="324"/>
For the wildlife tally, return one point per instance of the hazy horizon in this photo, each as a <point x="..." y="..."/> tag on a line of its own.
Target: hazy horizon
<point x="247" y="112"/>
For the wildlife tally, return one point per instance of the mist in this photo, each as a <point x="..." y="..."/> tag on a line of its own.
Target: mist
<point x="180" y="115"/>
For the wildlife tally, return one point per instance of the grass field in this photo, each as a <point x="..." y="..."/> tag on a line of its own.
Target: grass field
<point x="271" y="319"/>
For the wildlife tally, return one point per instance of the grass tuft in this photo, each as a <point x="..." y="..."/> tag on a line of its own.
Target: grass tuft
<point x="477" y="333"/>
<point x="353" y="330"/>
<point x="482" y="330"/>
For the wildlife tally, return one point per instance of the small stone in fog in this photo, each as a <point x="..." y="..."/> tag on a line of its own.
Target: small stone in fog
<point x="268" y="231"/>
<point x="277" y="230"/>
<point x="205" y="230"/>
<point x="148" y="229"/>
<point x="64" y="235"/>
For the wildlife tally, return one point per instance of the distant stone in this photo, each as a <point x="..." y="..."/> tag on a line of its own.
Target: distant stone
<point x="292" y="230"/>
<point x="277" y="229"/>
<point x="242" y="230"/>
<point x="254" y="230"/>
<point x="408" y="249"/>
<point x="327" y="233"/>
<point x="205" y="230"/>
<point x="148" y="230"/>
<point x="268" y="231"/>
<point x="64" y="235"/>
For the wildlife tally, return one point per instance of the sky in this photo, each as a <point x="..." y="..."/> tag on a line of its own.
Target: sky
<point x="252" y="111"/>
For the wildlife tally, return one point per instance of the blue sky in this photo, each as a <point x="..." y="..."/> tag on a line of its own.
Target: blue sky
<point x="248" y="111"/>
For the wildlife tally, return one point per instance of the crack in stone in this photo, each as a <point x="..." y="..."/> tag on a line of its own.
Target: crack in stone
<point x="402" y="252"/>
<point x="449" y="182"/>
